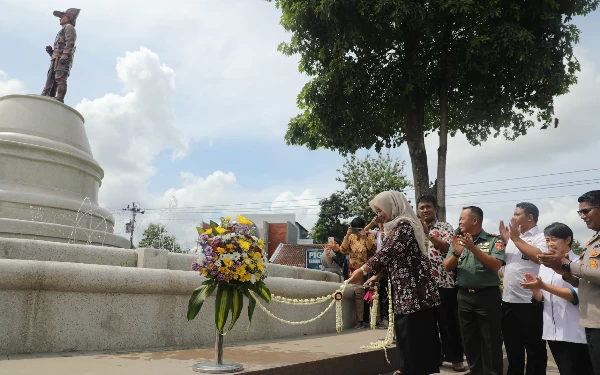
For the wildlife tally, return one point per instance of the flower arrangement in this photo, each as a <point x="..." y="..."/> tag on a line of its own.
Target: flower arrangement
<point x="233" y="262"/>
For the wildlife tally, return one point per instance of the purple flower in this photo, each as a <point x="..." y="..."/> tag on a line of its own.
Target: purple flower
<point x="221" y="277"/>
<point x="195" y="266"/>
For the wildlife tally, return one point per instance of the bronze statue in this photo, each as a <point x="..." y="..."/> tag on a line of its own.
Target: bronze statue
<point x="61" y="57"/>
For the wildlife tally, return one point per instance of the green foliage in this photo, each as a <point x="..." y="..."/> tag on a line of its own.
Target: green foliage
<point x="375" y="61"/>
<point x="382" y="72"/>
<point x="331" y="221"/>
<point x="363" y="179"/>
<point x="156" y="237"/>
<point x="577" y="248"/>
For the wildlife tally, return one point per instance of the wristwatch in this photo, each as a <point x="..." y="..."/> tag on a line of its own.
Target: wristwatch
<point x="456" y="255"/>
<point x="566" y="266"/>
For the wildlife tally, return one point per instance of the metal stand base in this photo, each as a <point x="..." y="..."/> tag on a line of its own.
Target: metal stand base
<point x="213" y="368"/>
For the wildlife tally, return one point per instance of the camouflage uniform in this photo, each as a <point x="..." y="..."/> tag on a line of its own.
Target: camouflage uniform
<point x="61" y="57"/>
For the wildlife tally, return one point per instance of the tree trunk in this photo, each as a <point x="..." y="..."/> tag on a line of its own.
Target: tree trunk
<point x="440" y="182"/>
<point x="415" y="139"/>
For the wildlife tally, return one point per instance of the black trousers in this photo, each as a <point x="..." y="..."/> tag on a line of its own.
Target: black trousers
<point x="592" y="336"/>
<point x="417" y="343"/>
<point x="447" y="322"/>
<point x="522" y="329"/>
<point x="480" y="317"/>
<point x="571" y="358"/>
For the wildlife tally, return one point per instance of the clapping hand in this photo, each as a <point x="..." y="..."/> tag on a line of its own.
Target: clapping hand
<point x="514" y="230"/>
<point x="504" y="231"/>
<point x="466" y="240"/>
<point x="458" y="245"/>
<point x="552" y="259"/>
<point x="532" y="283"/>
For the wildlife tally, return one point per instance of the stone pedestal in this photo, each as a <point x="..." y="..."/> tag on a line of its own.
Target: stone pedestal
<point x="49" y="179"/>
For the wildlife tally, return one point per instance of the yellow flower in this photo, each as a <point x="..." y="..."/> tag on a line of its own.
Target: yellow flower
<point x="220" y="250"/>
<point x="203" y="271"/>
<point x="227" y="218"/>
<point x="224" y="270"/>
<point x="242" y="220"/>
<point x="256" y="255"/>
<point x="260" y="243"/>
<point x="244" y="244"/>
<point x="259" y="265"/>
<point x="229" y="246"/>
<point x="208" y="231"/>
<point x="228" y="262"/>
<point x="251" y="266"/>
<point x="221" y="230"/>
<point x="246" y="277"/>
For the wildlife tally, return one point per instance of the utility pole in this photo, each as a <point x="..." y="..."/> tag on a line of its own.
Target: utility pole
<point x="130" y="227"/>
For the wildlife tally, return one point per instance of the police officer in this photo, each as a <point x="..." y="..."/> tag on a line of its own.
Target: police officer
<point x="585" y="274"/>
<point x="477" y="257"/>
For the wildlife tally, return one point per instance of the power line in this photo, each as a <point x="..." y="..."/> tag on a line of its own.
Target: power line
<point x="209" y="210"/>
<point x="449" y="195"/>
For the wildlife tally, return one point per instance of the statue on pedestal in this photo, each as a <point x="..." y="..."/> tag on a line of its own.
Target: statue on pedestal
<point x="61" y="56"/>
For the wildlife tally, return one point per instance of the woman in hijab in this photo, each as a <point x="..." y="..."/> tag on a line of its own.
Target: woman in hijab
<point x="403" y="258"/>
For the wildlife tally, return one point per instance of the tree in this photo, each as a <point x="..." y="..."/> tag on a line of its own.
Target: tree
<point x="156" y="237"/>
<point x="577" y="248"/>
<point x="364" y="178"/>
<point x="331" y="221"/>
<point x="386" y="72"/>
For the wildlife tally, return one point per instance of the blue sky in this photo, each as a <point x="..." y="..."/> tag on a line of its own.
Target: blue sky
<point x="191" y="100"/>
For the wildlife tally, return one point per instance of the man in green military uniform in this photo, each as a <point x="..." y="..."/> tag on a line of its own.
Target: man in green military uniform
<point x="477" y="256"/>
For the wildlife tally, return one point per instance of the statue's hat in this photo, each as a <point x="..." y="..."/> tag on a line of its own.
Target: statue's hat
<point x="72" y="13"/>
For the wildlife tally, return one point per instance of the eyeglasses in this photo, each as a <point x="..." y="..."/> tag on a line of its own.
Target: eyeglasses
<point x="585" y="211"/>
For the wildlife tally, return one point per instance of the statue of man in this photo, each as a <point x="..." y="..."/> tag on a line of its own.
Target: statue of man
<point x="61" y="57"/>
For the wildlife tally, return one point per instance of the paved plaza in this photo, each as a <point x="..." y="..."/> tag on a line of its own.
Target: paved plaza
<point x="333" y="353"/>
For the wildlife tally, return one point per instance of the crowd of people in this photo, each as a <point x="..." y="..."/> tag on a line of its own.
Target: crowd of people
<point x="466" y="292"/>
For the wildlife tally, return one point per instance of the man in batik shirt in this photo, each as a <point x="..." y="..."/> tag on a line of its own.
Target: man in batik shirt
<point x="361" y="246"/>
<point x="440" y="235"/>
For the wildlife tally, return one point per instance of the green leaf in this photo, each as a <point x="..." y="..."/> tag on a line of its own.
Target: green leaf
<point x="261" y="289"/>
<point x="198" y="297"/>
<point x="236" y="300"/>
<point x="251" y="305"/>
<point x="214" y="226"/>
<point x="222" y="305"/>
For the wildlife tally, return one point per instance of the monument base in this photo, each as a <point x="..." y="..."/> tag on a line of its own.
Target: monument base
<point x="49" y="180"/>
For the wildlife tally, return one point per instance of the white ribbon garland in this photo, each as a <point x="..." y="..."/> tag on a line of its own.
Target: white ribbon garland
<point x="389" y="337"/>
<point x="336" y="299"/>
<point x="375" y="307"/>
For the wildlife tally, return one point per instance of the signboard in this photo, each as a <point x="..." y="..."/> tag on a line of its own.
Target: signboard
<point x="313" y="259"/>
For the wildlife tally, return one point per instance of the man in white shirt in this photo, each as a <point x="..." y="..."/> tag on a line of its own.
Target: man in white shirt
<point x="522" y="321"/>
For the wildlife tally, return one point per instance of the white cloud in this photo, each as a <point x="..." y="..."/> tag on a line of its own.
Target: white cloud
<point x="128" y="131"/>
<point x="10" y="85"/>
<point x="305" y="206"/>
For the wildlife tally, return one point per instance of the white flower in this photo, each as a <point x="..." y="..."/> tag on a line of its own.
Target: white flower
<point x="253" y="279"/>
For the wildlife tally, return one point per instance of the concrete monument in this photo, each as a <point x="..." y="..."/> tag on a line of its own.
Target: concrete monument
<point x="49" y="179"/>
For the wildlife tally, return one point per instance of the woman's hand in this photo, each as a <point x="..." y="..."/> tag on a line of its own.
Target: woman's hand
<point x="535" y="284"/>
<point x="371" y="282"/>
<point x="357" y="276"/>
